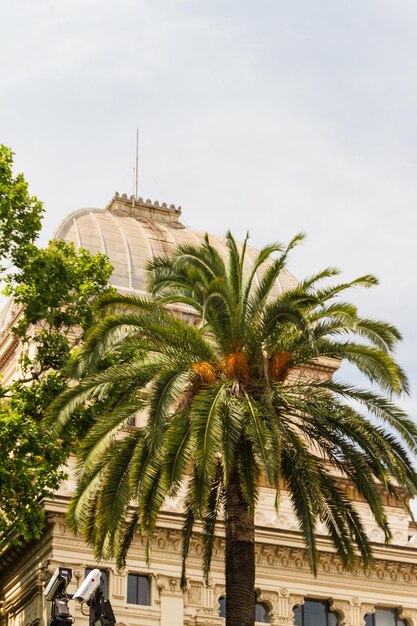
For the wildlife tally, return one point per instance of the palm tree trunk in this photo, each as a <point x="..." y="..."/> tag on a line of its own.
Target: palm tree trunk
<point x="240" y="557"/>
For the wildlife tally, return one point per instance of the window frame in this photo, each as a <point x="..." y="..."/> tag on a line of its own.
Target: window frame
<point x="371" y="616"/>
<point x="138" y="576"/>
<point x="267" y="609"/>
<point x="323" y="601"/>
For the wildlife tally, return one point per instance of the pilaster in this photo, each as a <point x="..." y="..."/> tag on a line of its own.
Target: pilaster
<point x="171" y="600"/>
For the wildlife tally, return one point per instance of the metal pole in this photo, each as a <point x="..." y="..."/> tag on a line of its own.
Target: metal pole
<point x="137" y="163"/>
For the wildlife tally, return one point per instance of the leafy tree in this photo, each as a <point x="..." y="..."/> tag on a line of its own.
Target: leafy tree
<point x="20" y="214"/>
<point x="228" y="406"/>
<point x="52" y="290"/>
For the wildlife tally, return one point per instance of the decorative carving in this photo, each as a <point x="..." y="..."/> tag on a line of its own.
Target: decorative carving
<point x="365" y="609"/>
<point x="208" y="620"/>
<point x="281" y="619"/>
<point x="44" y="572"/>
<point x="194" y="595"/>
<point x="273" y="556"/>
<point x="342" y="607"/>
<point x="167" y="583"/>
<point x="295" y="600"/>
<point x="118" y="587"/>
<point x="409" y="615"/>
<point x="271" y="599"/>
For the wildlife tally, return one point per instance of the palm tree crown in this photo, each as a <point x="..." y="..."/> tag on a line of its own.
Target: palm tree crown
<point x="228" y="408"/>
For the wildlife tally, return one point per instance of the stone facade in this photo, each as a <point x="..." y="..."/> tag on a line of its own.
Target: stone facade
<point x="284" y="579"/>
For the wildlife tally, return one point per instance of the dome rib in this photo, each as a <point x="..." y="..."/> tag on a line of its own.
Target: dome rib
<point x="77" y="232"/>
<point x="131" y="233"/>
<point x="100" y="232"/>
<point x="128" y="252"/>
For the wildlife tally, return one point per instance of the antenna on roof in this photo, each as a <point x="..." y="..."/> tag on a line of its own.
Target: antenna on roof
<point x="136" y="170"/>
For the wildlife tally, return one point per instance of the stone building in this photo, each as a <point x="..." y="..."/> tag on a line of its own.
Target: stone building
<point x="385" y="594"/>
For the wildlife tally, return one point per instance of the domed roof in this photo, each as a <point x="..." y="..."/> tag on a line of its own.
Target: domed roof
<point x="131" y="232"/>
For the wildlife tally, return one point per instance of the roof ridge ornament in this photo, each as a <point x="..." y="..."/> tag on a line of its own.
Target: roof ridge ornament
<point x="144" y="210"/>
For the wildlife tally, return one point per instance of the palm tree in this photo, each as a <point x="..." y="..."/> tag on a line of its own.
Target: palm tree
<point x="228" y="407"/>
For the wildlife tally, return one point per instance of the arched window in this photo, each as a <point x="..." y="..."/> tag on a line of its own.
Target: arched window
<point x="384" y="617"/>
<point x="222" y="606"/>
<point x="262" y="613"/>
<point x="315" y="613"/>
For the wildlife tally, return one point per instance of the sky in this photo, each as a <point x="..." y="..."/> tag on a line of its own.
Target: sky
<point x="273" y="117"/>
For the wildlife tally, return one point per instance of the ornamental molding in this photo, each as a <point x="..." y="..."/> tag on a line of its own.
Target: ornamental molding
<point x="211" y="611"/>
<point x="296" y="599"/>
<point x="194" y="595"/>
<point x="409" y="615"/>
<point x="166" y="546"/>
<point x="205" y="620"/>
<point x="342" y="608"/>
<point x="8" y="350"/>
<point x="169" y="584"/>
<point x="271" y="599"/>
<point x="364" y="609"/>
<point x="330" y="566"/>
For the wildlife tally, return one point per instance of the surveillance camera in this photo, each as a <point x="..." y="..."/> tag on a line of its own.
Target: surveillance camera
<point x="58" y="583"/>
<point x="88" y="586"/>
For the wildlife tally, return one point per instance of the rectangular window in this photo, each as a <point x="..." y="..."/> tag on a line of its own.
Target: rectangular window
<point x="384" y="617"/>
<point x="138" y="589"/>
<point x="315" y="613"/>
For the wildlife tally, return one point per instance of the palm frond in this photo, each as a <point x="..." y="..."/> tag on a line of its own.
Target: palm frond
<point x="214" y="503"/>
<point x="187" y="529"/>
<point x="206" y="426"/>
<point x="224" y="432"/>
<point x="232" y="427"/>
<point x="178" y="448"/>
<point x="249" y="475"/>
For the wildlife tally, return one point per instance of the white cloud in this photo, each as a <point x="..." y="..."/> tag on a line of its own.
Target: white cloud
<point x="291" y="116"/>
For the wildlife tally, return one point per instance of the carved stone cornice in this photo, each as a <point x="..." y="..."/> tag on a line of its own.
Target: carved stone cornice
<point x="166" y="545"/>
<point x="295" y="559"/>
